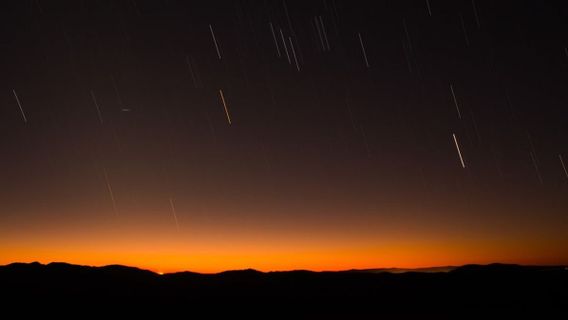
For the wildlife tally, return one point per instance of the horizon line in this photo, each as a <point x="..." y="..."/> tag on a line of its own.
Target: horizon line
<point x="370" y="270"/>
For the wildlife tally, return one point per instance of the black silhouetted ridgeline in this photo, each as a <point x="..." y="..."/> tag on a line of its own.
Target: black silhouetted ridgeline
<point x="451" y="291"/>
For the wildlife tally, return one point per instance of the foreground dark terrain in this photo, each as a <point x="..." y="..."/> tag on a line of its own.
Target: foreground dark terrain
<point x="469" y="291"/>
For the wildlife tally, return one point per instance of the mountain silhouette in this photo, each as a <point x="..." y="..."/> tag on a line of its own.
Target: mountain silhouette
<point x="456" y="292"/>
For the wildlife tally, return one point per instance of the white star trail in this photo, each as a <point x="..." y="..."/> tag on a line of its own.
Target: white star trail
<point x="285" y="47"/>
<point x="563" y="165"/>
<point x="275" y="41"/>
<point x="189" y="66"/>
<point x="455" y="101"/>
<point x="110" y="192"/>
<point x="464" y="31"/>
<point x="318" y="30"/>
<point x="407" y="34"/>
<point x="363" y="50"/>
<point x="225" y="105"/>
<point x="20" y="106"/>
<point x="458" y="149"/>
<point x="324" y="32"/>
<point x="294" y="53"/>
<point x="536" y="168"/>
<point x="215" y="42"/>
<point x="475" y="14"/>
<point x="97" y="106"/>
<point x="174" y="213"/>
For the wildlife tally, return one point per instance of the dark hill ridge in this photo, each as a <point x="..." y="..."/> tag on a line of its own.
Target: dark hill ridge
<point x="476" y="288"/>
<point x="116" y="268"/>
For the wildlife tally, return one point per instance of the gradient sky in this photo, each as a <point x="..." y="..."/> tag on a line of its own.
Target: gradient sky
<point x="327" y="164"/>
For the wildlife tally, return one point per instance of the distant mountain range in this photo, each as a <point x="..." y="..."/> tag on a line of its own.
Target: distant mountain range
<point x="454" y="292"/>
<point x="403" y="270"/>
<point x="120" y="268"/>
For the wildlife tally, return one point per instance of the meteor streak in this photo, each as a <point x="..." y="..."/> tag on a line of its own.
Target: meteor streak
<point x="294" y="53"/>
<point x="20" y="105"/>
<point x="215" y="42"/>
<point x="275" y="41"/>
<point x="459" y="151"/>
<point x="111" y="194"/>
<point x="455" y="101"/>
<point x="363" y="50"/>
<point x="174" y="213"/>
<point x="97" y="106"/>
<point x="285" y="47"/>
<point x="563" y="166"/>
<point x="225" y="105"/>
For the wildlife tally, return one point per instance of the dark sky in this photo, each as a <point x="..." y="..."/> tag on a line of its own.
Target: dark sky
<point x="340" y="150"/>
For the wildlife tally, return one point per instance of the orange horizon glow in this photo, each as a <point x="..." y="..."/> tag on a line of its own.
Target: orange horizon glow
<point x="284" y="263"/>
<point x="217" y="237"/>
<point x="217" y="248"/>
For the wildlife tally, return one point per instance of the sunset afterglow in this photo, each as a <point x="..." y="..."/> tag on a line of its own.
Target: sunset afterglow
<point x="281" y="135"/>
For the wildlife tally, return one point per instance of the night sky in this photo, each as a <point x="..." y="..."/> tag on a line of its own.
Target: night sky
<point x="276" y="135"/>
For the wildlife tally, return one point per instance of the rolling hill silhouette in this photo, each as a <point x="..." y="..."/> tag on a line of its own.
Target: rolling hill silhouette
<point x="455" y="292"/>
